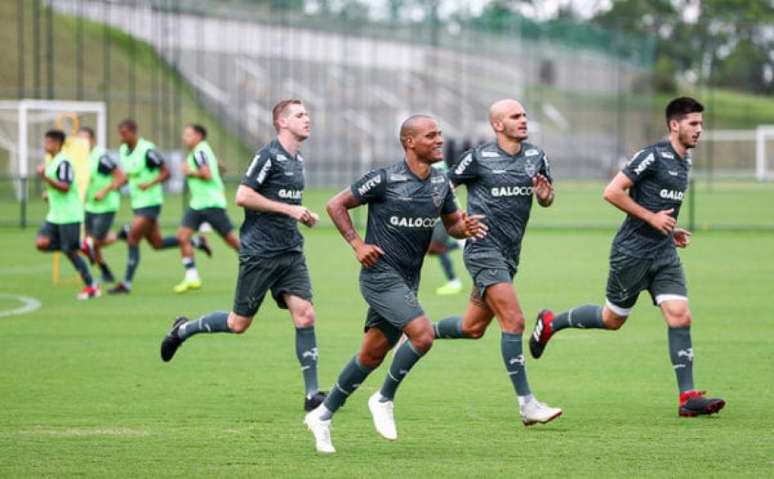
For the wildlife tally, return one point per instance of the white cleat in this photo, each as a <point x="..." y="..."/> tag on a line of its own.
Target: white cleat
<point x="384" y="420"/>
<point x="321" y="429"/>
<point x="534" y="412"/>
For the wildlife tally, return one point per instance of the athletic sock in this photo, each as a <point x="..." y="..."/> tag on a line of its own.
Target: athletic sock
<point x="215" y="322"/>
<point x="191" y="274"/>
<point x="452" y="244"/>
<point x="81" y="267"/>
<point x="350" y="378"/>
<point x="196" y="241"/>
<point x="448" y="328"/>
<point x="306" y="352"/>
<point x="510" y="346"/>
<point x="132" y="261"/>
<point x="588" y="316"/>
<point x="405" y="358"/>
<point x="448" y="267"/>
<point x="169" y="242"/>
<point x="681" y="354"/>
<point x="105" y="270"/>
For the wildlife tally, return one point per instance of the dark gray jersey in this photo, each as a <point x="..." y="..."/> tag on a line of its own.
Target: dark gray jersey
<point x="402" y="211"/>
<point x="500" y="187"/>
<point x="660" y="180"/>
<point x="279" y="176"/>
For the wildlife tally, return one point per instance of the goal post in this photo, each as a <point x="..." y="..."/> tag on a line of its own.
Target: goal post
<point x="740" y="154"/>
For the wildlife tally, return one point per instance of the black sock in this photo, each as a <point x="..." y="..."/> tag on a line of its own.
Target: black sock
<point x="81" y="267"/>
<point x="132" y="261"/>
<point x="681" y="354"/>
<point x="169" y="242"/>
<point x="105" y="270"/>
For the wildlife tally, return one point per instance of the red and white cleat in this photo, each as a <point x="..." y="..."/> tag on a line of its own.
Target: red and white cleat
<point x="541" y="334"/>
<point x="89" y="292"/>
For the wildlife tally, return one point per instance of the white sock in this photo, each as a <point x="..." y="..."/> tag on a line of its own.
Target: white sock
<point x="191" y="274"/>
<point x="524" y="400"/>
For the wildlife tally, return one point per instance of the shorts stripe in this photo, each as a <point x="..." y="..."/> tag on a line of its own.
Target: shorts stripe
<point x="661" y="298"/>
<point x="617" y="309"/>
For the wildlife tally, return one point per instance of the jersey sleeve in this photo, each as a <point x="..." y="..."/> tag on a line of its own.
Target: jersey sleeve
<point x="545" y="168"/>
<point x="65" y="172"/>
<point x="106" y="164"/>
<point x="153" y="159"/>
<point x="258" y="171"/>
<point x="370" y="187"/>
<point x="449" y="202"/>
<point x="200" y="159"/>
<point x="465" y="170"/>
<point x="640" y="166"/>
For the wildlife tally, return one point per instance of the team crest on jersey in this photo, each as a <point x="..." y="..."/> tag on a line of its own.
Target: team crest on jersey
<point x="437" y="198"/>
<point x="530" y="168"/>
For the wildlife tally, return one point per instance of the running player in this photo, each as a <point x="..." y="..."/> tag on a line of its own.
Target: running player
<point x="650" y="190"/>
<point x="207" y="203"/>
<point x="62" y="228"/>
<point x="102" y="202"/>
<point x="271" y="255"/>
<point x="501" y="177"/>
<point x="146" y="171"/>
<point x="404" y="201"/>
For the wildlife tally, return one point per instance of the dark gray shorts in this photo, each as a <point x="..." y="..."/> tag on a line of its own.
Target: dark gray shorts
<point x="663" y="278"/>
<point x="216" y="217"/>
<point x="392" y="302"/>
<point x="281" y="274"/>
<point x="487" y="268"/>
<point x="150" y="212"/>
<point x="65" y="237"/>
<point x="98" y="225"/>
<point x="440" y="235"/>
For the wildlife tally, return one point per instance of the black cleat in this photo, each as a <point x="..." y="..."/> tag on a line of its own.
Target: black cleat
<point x="204" y="246"/>
<point x="311" y="402"/>
<point x="541" y="334"/>
<point x="107" y="277"/>
<point x="120" y="288"/>
<point x="693" y="403"/>
<point x="172" y="341"/>
<point x="124" y="233"/>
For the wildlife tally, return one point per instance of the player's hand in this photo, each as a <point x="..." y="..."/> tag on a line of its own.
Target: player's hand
<point x="41" y="169"/>
<point x="367" y="254"/>
<point x="99" y="195"/>
<point x="474" y="228"/>
<point x="144" y="186"/>
<point x="663" y="221"/>
<point x="303" y="215"/>
<point x="185" y="169"/>
<point x="542" y="188"/>
<point x="681" y="237"/>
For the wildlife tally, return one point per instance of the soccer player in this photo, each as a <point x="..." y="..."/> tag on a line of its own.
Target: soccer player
<point x="62" y="229"/>
<point x="146" y="171"/>
<point x="102" y="201"/>
<point x="207" y="203"/>
<point x="404" y="201"/>
<point x="650" y="190"/>
<point x="271" y="255"/>
<point x="502" y="177"/>
<point x="440" y="245"/>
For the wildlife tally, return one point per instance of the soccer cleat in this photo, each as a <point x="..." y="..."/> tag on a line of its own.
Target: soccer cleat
<point x="123" y="234"/>
<point x="311" y="402"/>
<point x="204" y="245"/>
<point x="89" y="292"/>
<point x="321" y="429"/>
<point x="87" y="248"/>
<point x="107" y="277"/>
<point x="541" y="334"/>
<point x="120" y="288"/>
<point x="693" y="403"/>
<point x="452" y="287"/>
<point x="384" y="419"/>
<point x="187" y="285"/>
<point x="534" y="412"/>
<point x="172" y="341"/>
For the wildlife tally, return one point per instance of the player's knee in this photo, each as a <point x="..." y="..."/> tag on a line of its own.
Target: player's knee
<point x="305" y="317"/>
<point x="514" y="323"/>
<point x="423" y="341"/>
<point x="474" y="331"/>
<point x="613" y="321"/>
<point x="238" y="324"/>
<point x="679" y="317"/>
<point x="42" y="244"/>
<point x="370" y="359"/>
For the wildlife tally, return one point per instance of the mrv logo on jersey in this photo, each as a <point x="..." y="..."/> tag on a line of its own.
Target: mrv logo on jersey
<point x="290" y="194"/>
<point x="413" y="222"/>
<point x="368" y="185"/>
<point x="671" y="194"/>
<point x="498" y="191"/>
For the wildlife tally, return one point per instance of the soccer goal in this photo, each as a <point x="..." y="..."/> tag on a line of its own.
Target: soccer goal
<point x="739" y="153"/>
<point x="22" y="126"/>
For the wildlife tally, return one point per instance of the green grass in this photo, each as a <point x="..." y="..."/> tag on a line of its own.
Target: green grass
<point x="84" y="392"/>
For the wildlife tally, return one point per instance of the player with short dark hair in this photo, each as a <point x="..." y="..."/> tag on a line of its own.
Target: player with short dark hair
<point x="271" y="256"/>
<point x="405" y="201"/>
<point x="103" y="198"/>
<point x="62" y="228"/>
<point x="650" y="190"/>
<point x="502" y="178"/>
<point x="207" y="203"/>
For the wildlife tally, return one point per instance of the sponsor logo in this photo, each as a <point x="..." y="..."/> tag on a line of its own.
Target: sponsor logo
<point x="464" y="164"/>
<point x="644" y="164"/>
<point x="264" y="171"/>
<point x="368" y="185"/>
<point x="397" y="177"/>
<point x="499" y="191"/>
<point x="531" y="152"/>
<point x="499" y="172"/>
<point x="289" y="173"/>
<point x="673" y="173"/>
<point x="438" y="179"/>
<point x="490" y="154"/>
<point x="281" y="158"/>
<point x="686" y="353"/>
<point x="312" y="353"/>
<point x="419" y="222"/>
<point x="667" y="154"/>
<point x="671" y="194"/>
<point x="290" y="194"/>
<point x="517" y="360"/>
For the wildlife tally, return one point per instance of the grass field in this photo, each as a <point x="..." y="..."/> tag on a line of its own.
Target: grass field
<point x="84" y="393"/>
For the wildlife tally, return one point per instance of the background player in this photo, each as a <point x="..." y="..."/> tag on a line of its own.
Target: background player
<point x="404" y="203"/>
<point x="650" y="190"/>
<point x="501" y="178"/>
<point x="102" y="201"/>
<point x="440" y="245"/>
<point x="62" y="228"/>
<point x="271" y="255"/>
<point x="207" y="203"/>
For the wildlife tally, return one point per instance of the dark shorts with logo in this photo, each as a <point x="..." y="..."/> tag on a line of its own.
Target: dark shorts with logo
<point x="392" y="301"/>
<point x="65" y="237"/>
<point x="282" y="274"/>
<point x="488" y="267"/>
<point x="629" y="276"/>
<point x="150" y="212"/>
<point x="98" y="225"/>
<point x="216" y="217"/>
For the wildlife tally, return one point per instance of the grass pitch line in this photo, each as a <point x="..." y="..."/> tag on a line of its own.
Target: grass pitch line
<point x="29" y="305"/>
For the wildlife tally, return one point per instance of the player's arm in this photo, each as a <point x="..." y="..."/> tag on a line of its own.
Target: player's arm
<point x="202" y="170"/>
<point x="154" y="160"/>
<point x="459" y="225"/>
<point x="64" y="176"/>
<point x="338" y="209"/>
<point x="543" y="184"/>
<point x="617" y="194"/>
<point x="248" y="198"/>
<point x="107" y="165"/>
